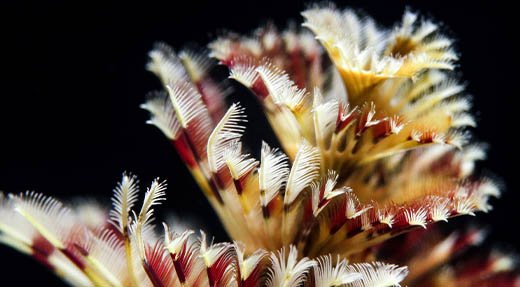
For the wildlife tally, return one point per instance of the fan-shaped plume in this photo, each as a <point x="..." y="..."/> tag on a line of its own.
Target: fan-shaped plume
<point x="272" y="174"/>
<point x="227" y="131"/>
<point x="378" y="274"/>
<point x="287" y="270"/>
<point x="327" y="273"/>
<point x="124" y="199"/>
<point x="162" y="114"/>
<point x="165" y="64"/>
<point x="48" y="216"/>
<point x="304" y="171"/>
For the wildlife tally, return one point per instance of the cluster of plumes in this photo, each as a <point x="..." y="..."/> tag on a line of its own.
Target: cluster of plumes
<point x="87" y="246"/>
<point x="373" y="129"/>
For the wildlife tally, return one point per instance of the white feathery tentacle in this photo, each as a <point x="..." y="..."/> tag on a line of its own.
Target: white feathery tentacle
<point x="288" y="271"/>
<point x="53" y="220"/>
<point x="162" y="114"/>
<point x="244" y="72"/>
<point x="280" y="86"/>
<point x="142" y="222"/>
<point x="106" y="252"/>
<point x="272" y="174"/>
<point x="377" y="274"/>
<point x="305" y="169"/>
<point x="239" y="164"/>
<point x="325" y="115"/>
<point x="229" y="129"/>
<point x="197" y="64"/>
<point x="165" y="64"/>
<point x="326" y="274"/>
<point x="416" y="217"/>
<point x="323" y="192"/>
<point x="124" y="198"/>
<point x="186" y="101"/>
<point x="174" y="245"/>
<point x="16" y="231"/>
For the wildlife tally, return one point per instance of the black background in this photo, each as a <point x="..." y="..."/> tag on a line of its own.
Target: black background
<point x="73" y="77"/>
